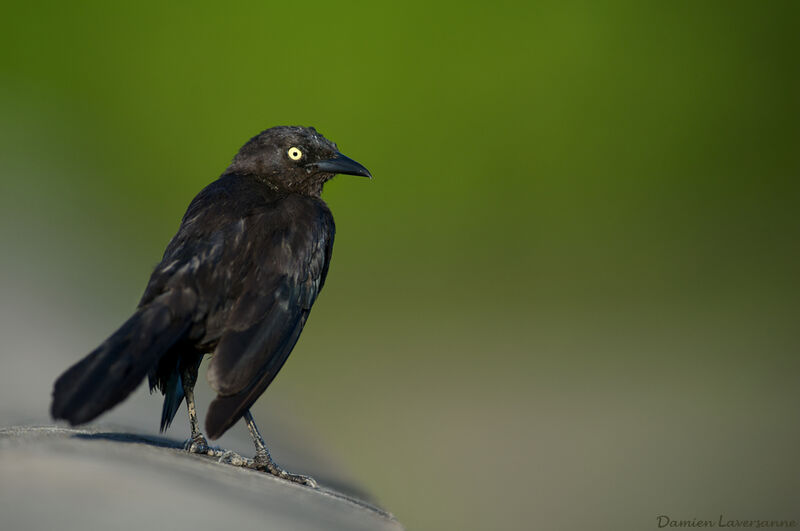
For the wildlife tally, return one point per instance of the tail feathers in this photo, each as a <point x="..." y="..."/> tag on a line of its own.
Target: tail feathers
<point x="173" y="397"/>
<point x="184" y="371"/>
<point x="112" y="371"/>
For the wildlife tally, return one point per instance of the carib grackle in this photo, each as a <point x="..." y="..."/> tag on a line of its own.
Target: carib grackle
<point x="237" y="281"/>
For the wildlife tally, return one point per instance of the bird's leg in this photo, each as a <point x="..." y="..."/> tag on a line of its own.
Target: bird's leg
<point x="197" y="444"/>
<point x="263" y="461"/>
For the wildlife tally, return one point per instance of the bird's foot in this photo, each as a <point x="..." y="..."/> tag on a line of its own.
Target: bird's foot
<point x="198" y="444"/>
<point x="232" y="458"/>
<point x="265" y="463"/>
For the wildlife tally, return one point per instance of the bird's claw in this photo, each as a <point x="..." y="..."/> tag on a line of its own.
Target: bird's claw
<point x="265" y="465"/>
<point x="268" y="465"/>
<point x="297" y="478"/>
<point x="198" y="444"/>
<point x="232" y="458"/>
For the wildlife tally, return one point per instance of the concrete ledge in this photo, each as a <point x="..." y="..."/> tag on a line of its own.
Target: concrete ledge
<point x="75" y="479"/>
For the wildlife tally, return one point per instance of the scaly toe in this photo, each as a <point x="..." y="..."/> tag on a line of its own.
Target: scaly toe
<point x="197" y="445"/>
<point x="232" y="458"/>
<point x="269" y="466"/>
<point x="296" y="478"/>
<point x="303" y="480"/>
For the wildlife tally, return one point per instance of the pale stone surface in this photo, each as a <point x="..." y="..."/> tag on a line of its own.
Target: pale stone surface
<point x="68" y="479"/>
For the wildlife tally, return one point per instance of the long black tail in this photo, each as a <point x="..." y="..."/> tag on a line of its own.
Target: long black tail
<point x="113" y="370"/>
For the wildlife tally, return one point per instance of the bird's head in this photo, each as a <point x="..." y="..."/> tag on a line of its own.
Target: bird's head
<point x="293" y="159"/>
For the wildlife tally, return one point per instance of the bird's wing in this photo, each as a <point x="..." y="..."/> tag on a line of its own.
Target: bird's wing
<point x="289" y="265"/>
<point x="209" y="235"/>
<point x="263" y="326"/>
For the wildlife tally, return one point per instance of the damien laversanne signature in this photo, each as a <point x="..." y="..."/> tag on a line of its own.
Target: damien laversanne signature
<point x="723" y="522"/>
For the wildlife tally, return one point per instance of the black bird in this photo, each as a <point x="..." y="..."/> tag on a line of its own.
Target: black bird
<point x="238" y="280"/>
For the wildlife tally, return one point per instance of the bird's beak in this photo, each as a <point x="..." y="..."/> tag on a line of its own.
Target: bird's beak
<point x="341" y="164"/>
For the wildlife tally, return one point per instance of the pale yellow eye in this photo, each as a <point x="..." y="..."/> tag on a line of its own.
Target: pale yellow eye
<point x="294" y="153"/>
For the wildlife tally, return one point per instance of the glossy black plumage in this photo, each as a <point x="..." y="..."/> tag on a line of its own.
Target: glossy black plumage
<point x="238" y="280"/>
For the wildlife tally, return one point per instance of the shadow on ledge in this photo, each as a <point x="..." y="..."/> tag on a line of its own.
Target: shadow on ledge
<point x="74" y="479"/>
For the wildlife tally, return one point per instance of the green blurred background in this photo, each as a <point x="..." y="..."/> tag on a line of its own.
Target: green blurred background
<point x="568" y="299"/>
